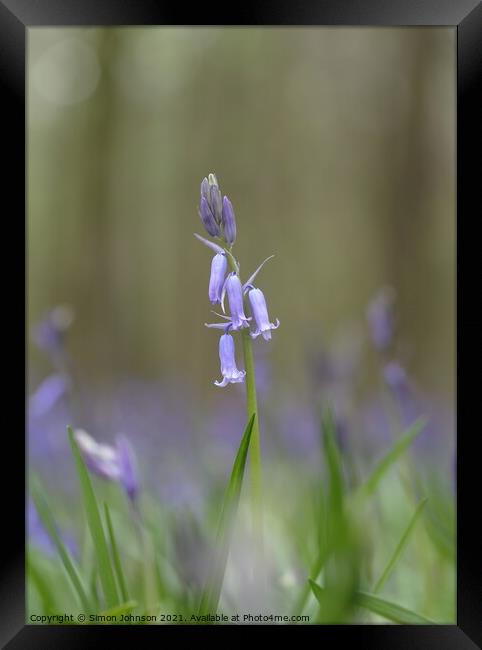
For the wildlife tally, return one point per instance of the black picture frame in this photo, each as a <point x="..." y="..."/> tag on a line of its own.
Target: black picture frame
<point x="16" y="16"/>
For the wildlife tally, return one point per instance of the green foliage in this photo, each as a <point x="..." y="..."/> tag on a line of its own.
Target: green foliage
<point x="104" y="564"/>
<point x="210" y="597"/>
<point x="355" y="540"/>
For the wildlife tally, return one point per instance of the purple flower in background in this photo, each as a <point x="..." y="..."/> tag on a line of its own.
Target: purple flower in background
<point x="234" y="289"/>
<point x="260" y="313"/>
<point x="100" y="459"/>
<point x="51" y="389"/>
<point x="219" y="266"/>
<point x="49" y="334"/>
<point x="229" y="221"/>
<point x="127" y="467"/>
<point x="381" y="318"/>
<point x="231" y="375"/>
<point x="112" y="463"/>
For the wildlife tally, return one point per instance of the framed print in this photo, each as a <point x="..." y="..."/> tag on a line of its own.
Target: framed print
<point x="242" y="268"/>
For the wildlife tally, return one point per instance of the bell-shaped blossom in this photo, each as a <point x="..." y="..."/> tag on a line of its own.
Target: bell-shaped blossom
<point x="229" y="371"/>
<point x="260" y="314"/>
<point x="229" y="221"/>
<point x="234" y="289"/>
<point x="219" y="266"/>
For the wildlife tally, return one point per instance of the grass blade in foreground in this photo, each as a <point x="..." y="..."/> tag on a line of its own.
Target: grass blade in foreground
<point x="41" y="585"/>
<point x="106" y="574"/>
<point x="333" y="459"/>
<point x="334" y="503"/>
<point x="210" y="598"/>
<point x="385" y="608"/>
<point x="115" y="557"/>
<point x="400" y="547"/>
<point x="49" y="523"/>
<point x="405" y="440"/>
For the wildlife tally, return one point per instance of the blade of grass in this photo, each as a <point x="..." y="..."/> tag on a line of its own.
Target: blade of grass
<point x="48" y="521"/>
<point x="335" y="467"/>
<point x="93" y="587"/>
<point x="400" y="445"/>
<point x="210" y="597"/>
<point x="385" y="608"/>
<point x="330" y="506"/>
<point x="106" y="573"/>
<point x="400" y="547"/>
<point x="36" y="578"/>
<point x="389" y="610"/>
<point x="115" y="556"/>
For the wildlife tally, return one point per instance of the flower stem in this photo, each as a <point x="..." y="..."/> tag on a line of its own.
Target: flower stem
<point x="252" y="407"/>
<point x="255" y="446"/>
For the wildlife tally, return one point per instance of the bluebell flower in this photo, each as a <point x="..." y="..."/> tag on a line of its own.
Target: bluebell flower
<point x="219" y="266"/>
<point x="229" y="371"/>
<point x="381" y="318"/>
<point x="234" y="289"/>
<point x="100" y="459"/>
<point x="49" y="334"/>
<point x="112" y="463"/>
<point x="48" y="393"/>
<point x="260" y="314"/>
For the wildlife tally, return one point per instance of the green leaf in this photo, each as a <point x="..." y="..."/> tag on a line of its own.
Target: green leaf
<point x="330" y="512"/>
<point x="333" y="460"/>
<point x="106" y="574"/>
<point x="42" y="586"/>
<point x="389" y="610"/>
<point x="400" y="547"/>
<point x="48" y="521"/>
<point x="400" y="445"/>
<point x="210" y="597"/>
<point x="115" y="556"/>
<point x="386" y="609"/>
<point x="93" y="587"/>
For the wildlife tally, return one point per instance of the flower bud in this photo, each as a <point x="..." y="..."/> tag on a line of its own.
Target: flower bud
<point x="207" y="218"/>
<point x="229" y="221"/>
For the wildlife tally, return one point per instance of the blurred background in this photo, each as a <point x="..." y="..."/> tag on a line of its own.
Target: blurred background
<point x="336" y="147"/>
